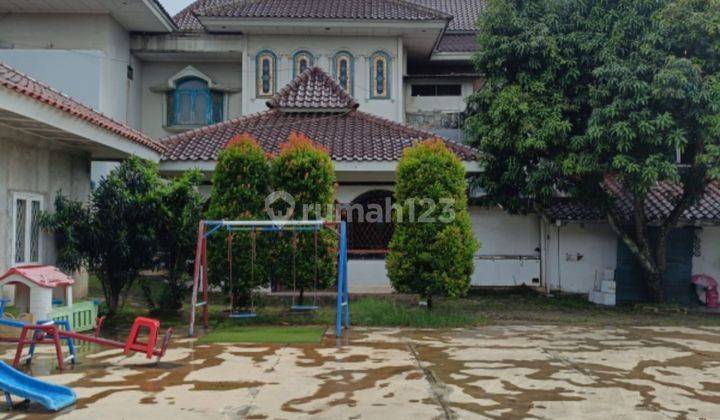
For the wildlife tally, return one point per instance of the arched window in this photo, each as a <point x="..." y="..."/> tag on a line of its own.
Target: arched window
<point x="302" y="60"/>
<point x="370" y="227"/>
<point x="266" y="74"/>
<point x="192" y="103"/>
<point x="344" y="70"/>
<point x="380" y="76"/>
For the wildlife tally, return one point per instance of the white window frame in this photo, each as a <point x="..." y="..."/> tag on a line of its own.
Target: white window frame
<point x="29" y="198"/>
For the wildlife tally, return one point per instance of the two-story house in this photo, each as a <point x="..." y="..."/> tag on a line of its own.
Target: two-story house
<point x="364" y="78"/>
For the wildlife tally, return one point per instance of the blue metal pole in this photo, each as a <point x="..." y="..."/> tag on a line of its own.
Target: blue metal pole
<point x="342" y="280"/>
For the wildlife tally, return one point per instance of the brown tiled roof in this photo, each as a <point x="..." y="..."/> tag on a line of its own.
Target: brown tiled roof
<point x="312" y="90"/>
<point x="464" y="12"/>
<point x="186" y="20"/>
<point x="351" y="136"/>
<point x="25" y="85"/>
<point x="307" y="9"/>
<point x="658" y="205"/>
<point x="452" y="42"/>
<point x="314" y="105"/>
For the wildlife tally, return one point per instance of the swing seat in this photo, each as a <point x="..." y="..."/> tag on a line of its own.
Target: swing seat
<point x="242" y="314"/>
<point x="304" y="307"/>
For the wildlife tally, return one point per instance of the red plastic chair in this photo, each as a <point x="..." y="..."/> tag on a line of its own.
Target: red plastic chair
<point x="153" y="327"/>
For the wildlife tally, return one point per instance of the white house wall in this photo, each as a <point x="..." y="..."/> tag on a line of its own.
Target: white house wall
<point x="30" y="164"/>
<point x="323" y="49"/>
<point x="83" y="55"/>
<point x="576" y="254"/>
<point x="509" y="248"/>
<point x="227" y="74"/>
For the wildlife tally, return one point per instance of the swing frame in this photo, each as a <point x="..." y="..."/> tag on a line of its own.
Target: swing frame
<point x="208" y="228"/>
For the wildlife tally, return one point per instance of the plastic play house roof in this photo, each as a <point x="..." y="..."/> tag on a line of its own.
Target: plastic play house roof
<point x="42" y="275"/>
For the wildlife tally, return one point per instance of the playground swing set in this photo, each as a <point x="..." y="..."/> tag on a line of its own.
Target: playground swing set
<point x="200" y="280"/>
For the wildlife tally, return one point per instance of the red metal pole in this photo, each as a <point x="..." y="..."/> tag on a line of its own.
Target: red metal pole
<point x="58" y="348"/>
<point x="21" y="344"/>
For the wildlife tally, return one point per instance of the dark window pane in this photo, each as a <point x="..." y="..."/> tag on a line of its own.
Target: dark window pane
<point x="35" y="232"/>
<point x="423" y="90"/>
<point x="218" y="102"/>
<point x="20" y="217"/>
<point x="380" y="78"/>
<point x="266" y="75"/>
<point x="449" y="90"/>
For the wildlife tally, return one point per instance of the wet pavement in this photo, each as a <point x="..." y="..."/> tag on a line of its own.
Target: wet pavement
<point x="490" y="372"/>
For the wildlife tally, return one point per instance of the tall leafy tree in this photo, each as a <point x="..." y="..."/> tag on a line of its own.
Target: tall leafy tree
<point x="305" y="171"/>
<point x="432" y="248"/>
<point x="180" y="213"/>
<point x="577" y="92"/>
<point x="240" y="184"/>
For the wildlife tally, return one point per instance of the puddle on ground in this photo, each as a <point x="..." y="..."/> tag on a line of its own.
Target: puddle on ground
<point x="499" y="371"/>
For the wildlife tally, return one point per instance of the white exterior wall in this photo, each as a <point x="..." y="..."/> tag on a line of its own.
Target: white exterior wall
<point x="323" y="49"/>
<point x="82" y="55"/>
<point x="578" y="254"/>
<point x="33" y="165"/>
<point x="509" y="248"/>
<point x="159" y="73"/>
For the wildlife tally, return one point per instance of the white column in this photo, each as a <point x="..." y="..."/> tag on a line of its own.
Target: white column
<point x="399" y="86"/>
<point x="68" y="296"/>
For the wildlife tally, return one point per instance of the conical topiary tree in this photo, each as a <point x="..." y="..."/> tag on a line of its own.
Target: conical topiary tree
<point x="432" y="248"/>
<point x="305" y="171"/>
<point x="240" y="184"/>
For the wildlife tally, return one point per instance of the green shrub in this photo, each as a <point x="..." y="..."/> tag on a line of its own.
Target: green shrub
<point x="240" y="185"/>
<point x="181" y="211"/>
<point x="431" y="258"/>
<point x="305" y="171"/>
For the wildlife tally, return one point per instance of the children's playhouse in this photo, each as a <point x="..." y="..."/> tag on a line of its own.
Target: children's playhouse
<point x="45" y="292"/>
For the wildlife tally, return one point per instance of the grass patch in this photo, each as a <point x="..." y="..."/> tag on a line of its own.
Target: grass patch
<point x="263" y="335"/>
<point x="387" y="313"/>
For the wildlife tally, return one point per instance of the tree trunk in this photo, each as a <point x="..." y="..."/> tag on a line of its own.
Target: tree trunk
<point x="655" y="284"/>
<point x="652" y="261"/>
<point x="429" y="303"/>
<point x="301" y="297"/>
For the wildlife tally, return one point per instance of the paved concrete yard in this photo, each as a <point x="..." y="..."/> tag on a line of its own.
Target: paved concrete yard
<point x="497" y="372"/>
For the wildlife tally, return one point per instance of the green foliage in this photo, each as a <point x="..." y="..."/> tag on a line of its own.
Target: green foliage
<point x="577" y="90"/>
<point x="240" y="185"/>
<point x="69" y="227"/>
<point x="128" y="225"/>
<point x="181" y="212"/>
<point x="125" y="215"/>
<point x="432" y="258"/>
<point x="305" y="171"/>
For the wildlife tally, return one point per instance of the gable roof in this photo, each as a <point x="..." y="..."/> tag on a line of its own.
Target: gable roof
<point x="313" y="90"/>
<point x="25" y="85"/>
<point x="658" y="205"/>
<point x="314" y="105"/>
<point x="46" y="276"/>
<point x="393" y="10"/>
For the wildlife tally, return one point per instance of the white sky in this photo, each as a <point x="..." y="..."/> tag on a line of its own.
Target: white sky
<point x="174" y="6"/>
